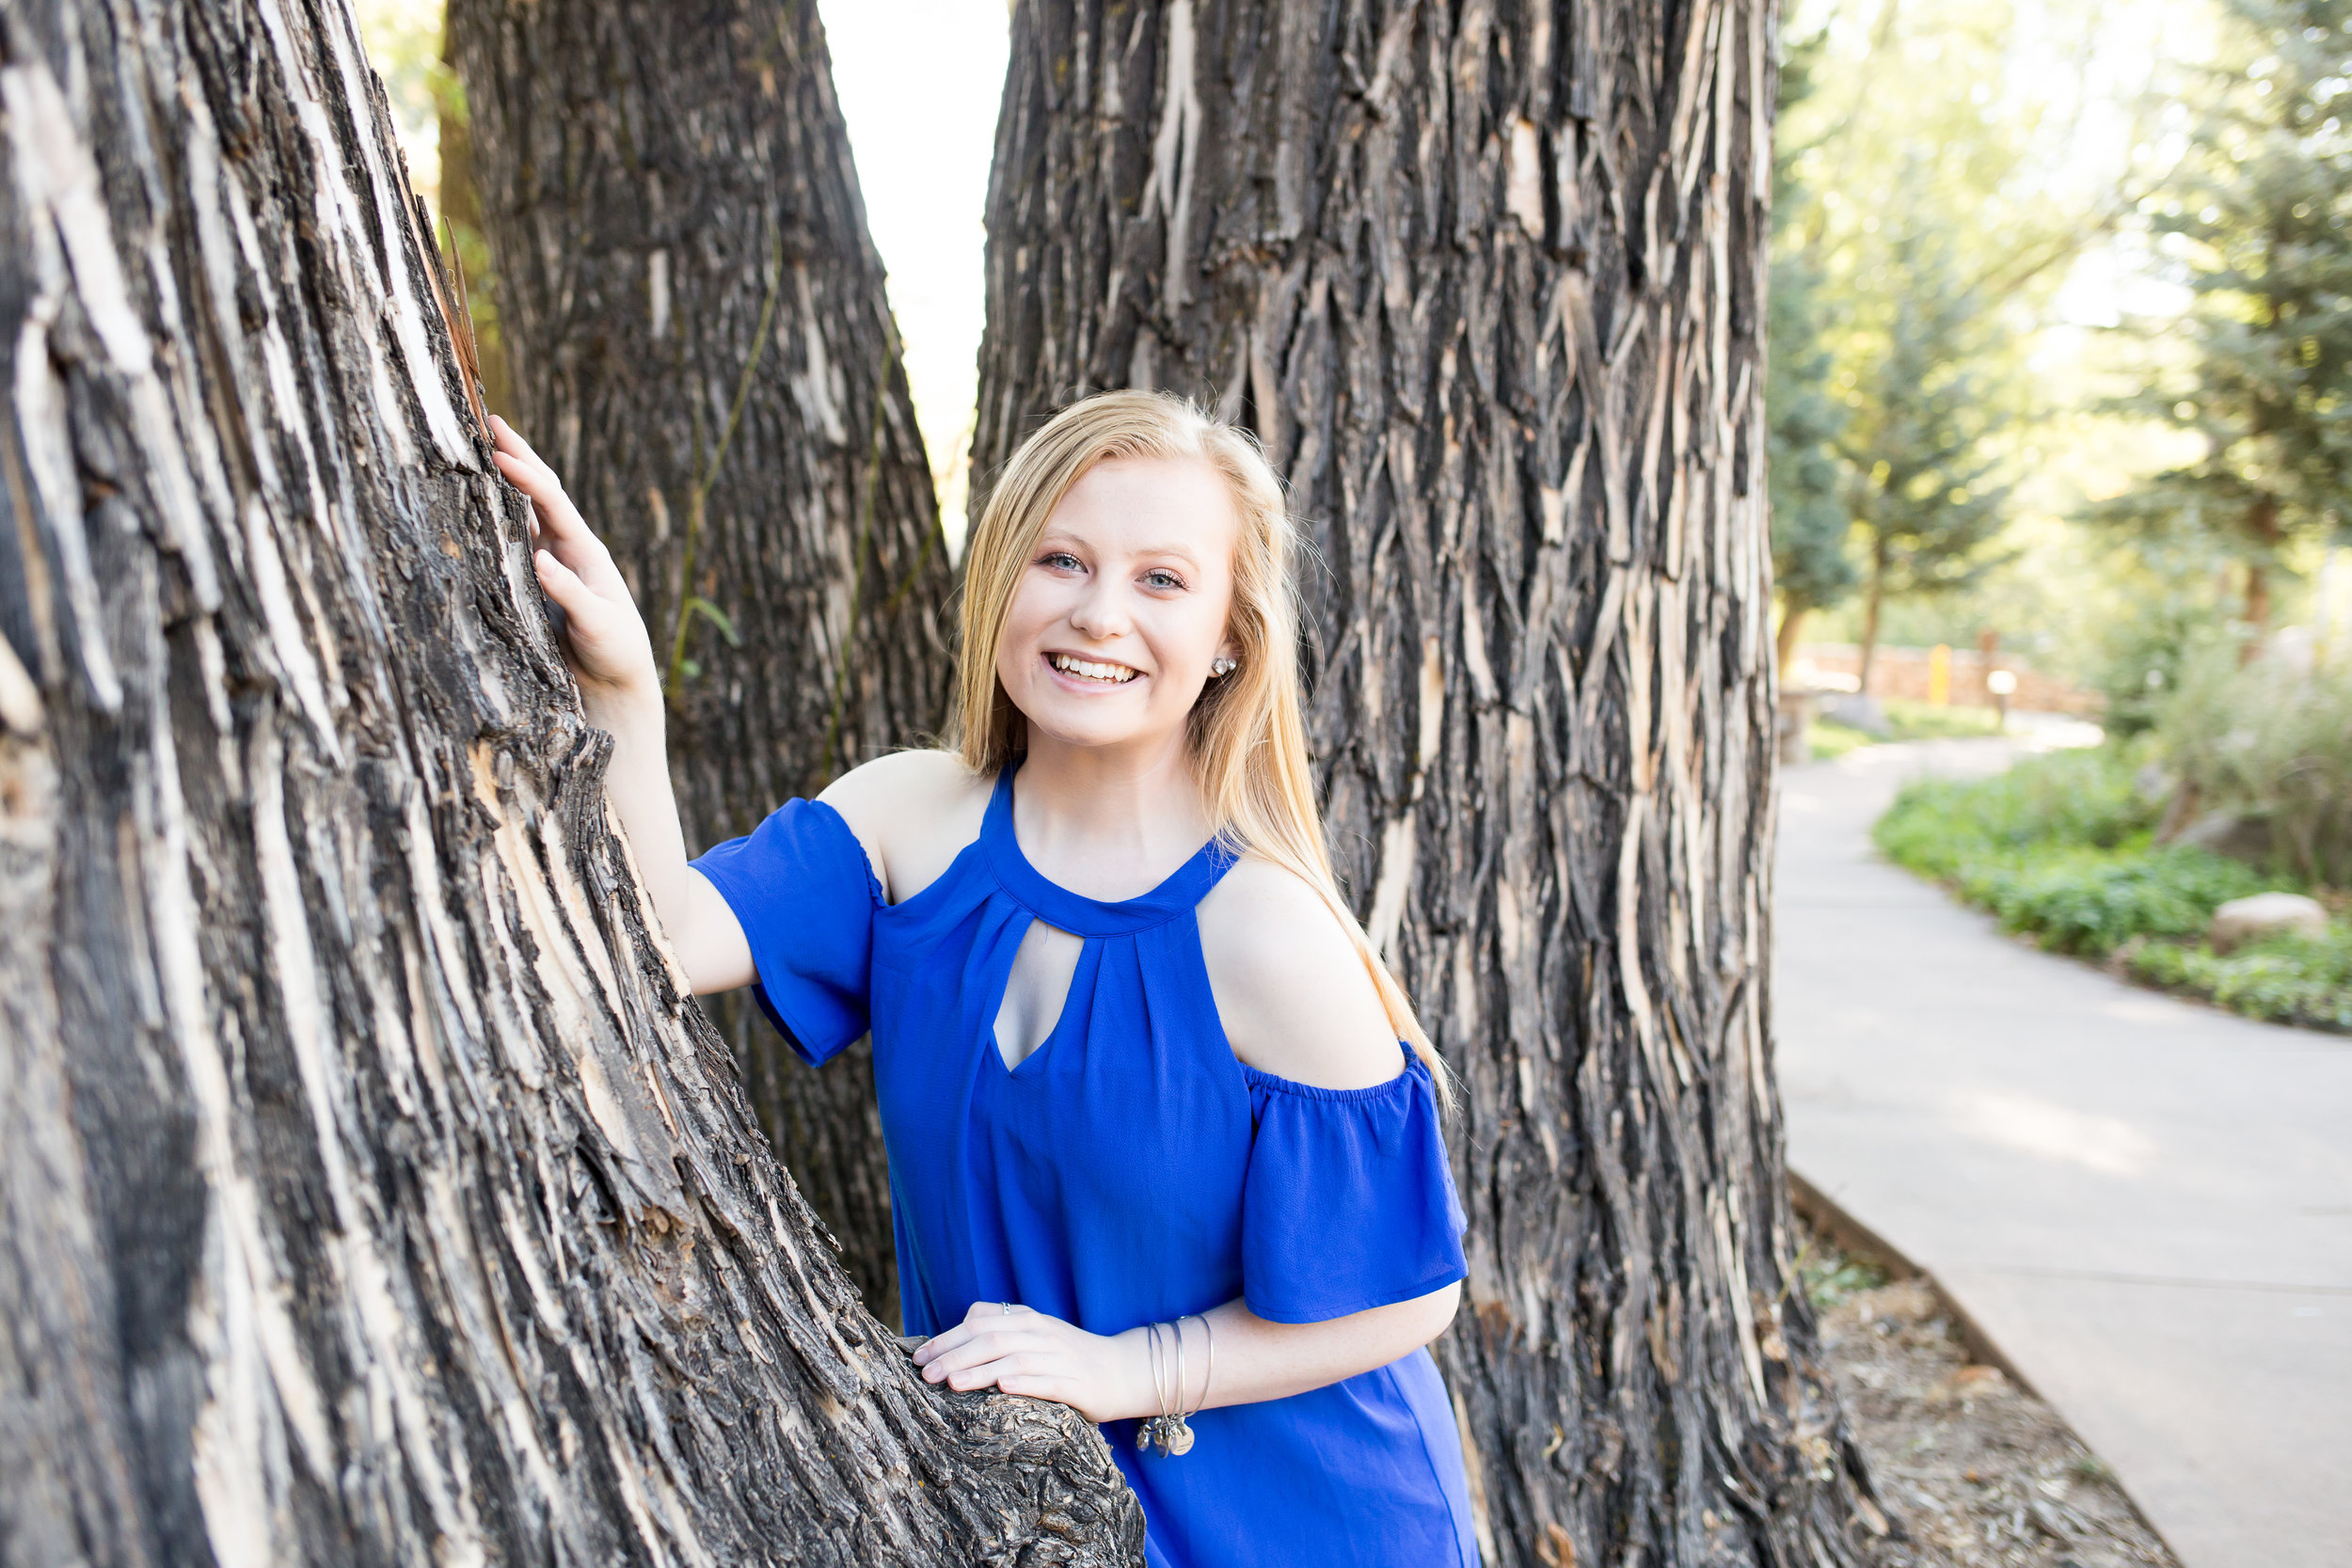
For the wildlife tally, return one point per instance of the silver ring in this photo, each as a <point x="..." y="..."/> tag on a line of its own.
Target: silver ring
<point x="1006" y="1308"/>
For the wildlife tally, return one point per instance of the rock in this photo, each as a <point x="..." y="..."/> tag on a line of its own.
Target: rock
<point x="1856" y="710"/>
<point x="2244" y="920"/>
<point x="2227" y="832"/>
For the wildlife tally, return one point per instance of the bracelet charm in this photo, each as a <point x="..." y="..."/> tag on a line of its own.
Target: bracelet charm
<point x="1170" y="1434"/>
<point x="1170" y="1431"/>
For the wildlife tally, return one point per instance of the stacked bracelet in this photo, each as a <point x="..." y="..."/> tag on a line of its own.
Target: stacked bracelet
<point x="1170" y="1431"/>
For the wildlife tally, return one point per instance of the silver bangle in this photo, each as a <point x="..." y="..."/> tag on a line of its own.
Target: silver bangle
<point x="1169" y="1431"/>
<point x="1209" y="1371"/>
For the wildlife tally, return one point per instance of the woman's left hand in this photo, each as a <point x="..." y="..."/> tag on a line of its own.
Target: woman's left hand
<point x="1027" y="1352"/>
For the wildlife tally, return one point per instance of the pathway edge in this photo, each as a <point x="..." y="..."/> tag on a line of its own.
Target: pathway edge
<point x="1857" y="1239"/>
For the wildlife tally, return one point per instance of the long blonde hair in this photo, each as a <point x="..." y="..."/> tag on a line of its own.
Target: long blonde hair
<point x="1247" y="741"/>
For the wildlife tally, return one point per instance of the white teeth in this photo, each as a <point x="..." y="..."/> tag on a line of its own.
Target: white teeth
<point x="1112" y="674"/>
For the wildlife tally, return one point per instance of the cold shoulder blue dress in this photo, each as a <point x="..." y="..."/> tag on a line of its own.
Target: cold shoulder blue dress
<point x="1130" y="1169"/>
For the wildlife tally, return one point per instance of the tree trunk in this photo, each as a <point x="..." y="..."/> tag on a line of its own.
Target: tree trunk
<point x="1487" y="280"/>
<point x="369" y="1192"/>
<point x="1873" y="603"/>
<point x="1785" y="641"/>
<point x="702" y="344"/>
<point x="2261" y="527"/>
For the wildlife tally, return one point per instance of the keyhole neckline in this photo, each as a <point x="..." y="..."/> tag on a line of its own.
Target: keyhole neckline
<point x="1076" y="913"/>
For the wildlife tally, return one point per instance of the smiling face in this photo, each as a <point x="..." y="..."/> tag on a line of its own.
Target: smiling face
<point x="1122" y="604"/>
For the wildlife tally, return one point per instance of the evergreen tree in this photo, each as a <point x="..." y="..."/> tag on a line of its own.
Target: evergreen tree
<point x="1812" y="568"/>
<point x="1933" y="216"/>
<point x="2258" y="215"/>
<point x="1927" y="444"/>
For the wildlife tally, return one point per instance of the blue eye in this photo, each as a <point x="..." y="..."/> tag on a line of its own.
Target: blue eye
<point x="1061" y="560"/>
<point x="1164" y="580"/>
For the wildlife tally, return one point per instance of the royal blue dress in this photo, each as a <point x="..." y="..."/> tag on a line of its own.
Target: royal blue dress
<point x="1128" y="1170"/>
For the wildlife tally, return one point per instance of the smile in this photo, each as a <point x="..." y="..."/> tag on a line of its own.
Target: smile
<point x="1091" y="670"/>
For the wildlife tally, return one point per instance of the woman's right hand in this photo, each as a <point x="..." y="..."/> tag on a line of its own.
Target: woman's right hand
<point x="605" y="639"/>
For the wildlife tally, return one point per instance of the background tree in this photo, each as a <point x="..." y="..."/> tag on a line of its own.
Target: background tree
<point x="1812" y="566"/>
<point x="1925" y="449"/>
<point x="2260" y="219"/>
<point x="369" y="1193"/>
<point x="1488" y="284"/>
<point x="1948" y="178"/>
<point x="700" y="340"/>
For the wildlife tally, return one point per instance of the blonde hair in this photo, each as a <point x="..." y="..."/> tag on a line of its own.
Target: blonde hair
<point x="1248" y="739"/>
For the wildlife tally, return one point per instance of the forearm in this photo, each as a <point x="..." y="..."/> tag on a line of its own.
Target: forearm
<point x="1108" y="1377"/>
<point x="1241" y="1358"/>
<point x="620" y="688"/>
<point x="1256" y="1359"/>
<point x="637" y="783"/>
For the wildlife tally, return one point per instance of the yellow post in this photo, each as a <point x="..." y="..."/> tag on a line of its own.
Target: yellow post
<point x="1940" y="675"/>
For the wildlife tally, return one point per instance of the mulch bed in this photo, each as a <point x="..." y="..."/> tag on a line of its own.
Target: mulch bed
<point x="1974" y="1471"/>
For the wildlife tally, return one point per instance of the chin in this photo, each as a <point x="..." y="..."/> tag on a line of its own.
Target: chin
<point x="1085" y="731"/>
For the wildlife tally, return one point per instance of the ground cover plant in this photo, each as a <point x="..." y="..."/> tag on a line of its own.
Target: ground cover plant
<point x="2061" y="849"/>
<point x="1906" y="721"/>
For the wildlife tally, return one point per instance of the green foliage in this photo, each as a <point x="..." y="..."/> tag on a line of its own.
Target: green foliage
<point x="2143" y="656"/>
<point x="1906" y="721"/>
<point x="1829" y="1278"/>
<point x="1913" y="721"/>
<point x="2071" y="800"/>
<point x="2287" y="979"/>
<point x="2270" y="738"/>
<point x="1811" y="565"/>
<point x="2092" y="901"/>
<point x="2058" y="848"/>
<point x="1831" y="740"/>
<point x="1924" y="214"/>
<point x="697" y="605"/>
<point x="2259" y="219"/>
<point x="1936" y="405"/>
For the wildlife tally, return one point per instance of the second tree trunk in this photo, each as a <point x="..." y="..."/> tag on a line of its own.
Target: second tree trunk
<point x="1487" y="281"/>
<point x="699" y="342"/>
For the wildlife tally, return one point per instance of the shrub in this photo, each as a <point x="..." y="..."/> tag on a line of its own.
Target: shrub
<point x="2287" y="979"/>
<point x="2076" y="799"/>
<point x="2142" y="657"/>
<point x="2058" y="848"/>
<point x="1910" y="721"/>
<point x="2271" y="739"/>
<point x="1831" y="739"/>
<point x="2092" y="901"/>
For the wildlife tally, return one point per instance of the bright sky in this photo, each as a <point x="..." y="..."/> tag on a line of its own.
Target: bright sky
<point x="918" y="82"/>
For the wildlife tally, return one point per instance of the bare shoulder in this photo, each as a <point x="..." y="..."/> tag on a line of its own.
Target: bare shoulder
<point x="1291" y="988"/>
<point x="913" y="811"/>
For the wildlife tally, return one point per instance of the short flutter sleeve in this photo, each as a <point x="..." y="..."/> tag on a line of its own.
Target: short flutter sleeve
<point x="1349" y="1203"/>
<point x="803" y="890"/>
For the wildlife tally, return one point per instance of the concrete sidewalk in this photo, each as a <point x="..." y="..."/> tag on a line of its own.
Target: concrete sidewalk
<point x="2146" y="1203"/>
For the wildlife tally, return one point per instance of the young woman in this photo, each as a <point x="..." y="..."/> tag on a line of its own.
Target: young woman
<point x="1153" y="1153"/>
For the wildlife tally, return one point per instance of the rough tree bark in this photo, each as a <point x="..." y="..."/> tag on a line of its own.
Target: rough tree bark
<point x="698" y="335"/>
<point x="369" y="1193"/>
<point x="1486" y="278"/>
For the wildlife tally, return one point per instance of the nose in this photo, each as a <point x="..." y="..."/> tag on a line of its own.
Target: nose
<point x="1101" y="613"/>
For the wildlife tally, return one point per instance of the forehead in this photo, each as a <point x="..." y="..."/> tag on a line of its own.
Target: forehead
<point x="1150" y="503"/>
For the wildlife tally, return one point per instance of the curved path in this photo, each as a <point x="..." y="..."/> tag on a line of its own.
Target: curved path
<point x="2145" y="1202"/>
